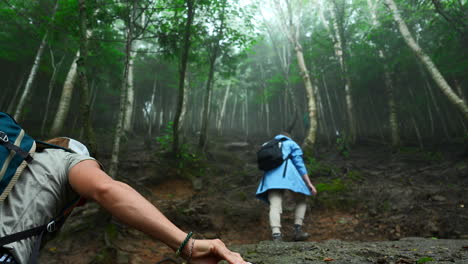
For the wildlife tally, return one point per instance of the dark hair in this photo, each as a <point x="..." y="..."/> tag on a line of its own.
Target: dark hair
<point x="286" y="134"/>
<point x="59" y="141"/>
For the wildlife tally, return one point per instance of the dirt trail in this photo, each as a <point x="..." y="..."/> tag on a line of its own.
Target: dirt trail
<point x="370" y="195"/>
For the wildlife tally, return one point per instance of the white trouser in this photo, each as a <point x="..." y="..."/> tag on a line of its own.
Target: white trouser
<point x="276" y="208"/>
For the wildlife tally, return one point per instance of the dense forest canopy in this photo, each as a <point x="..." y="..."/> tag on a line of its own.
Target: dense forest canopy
<point x="389" y="70"/>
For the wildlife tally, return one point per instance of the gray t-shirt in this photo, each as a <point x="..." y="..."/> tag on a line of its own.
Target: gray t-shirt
<point x="40" y="194"/>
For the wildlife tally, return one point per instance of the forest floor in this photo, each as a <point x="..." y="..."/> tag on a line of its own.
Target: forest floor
<point x="367" y="194"/>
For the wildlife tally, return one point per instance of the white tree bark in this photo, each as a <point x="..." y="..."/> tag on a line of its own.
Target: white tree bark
<point x="426" y="61"/>
<point x="130" y="93"/>
<point x="223" y="108"/>
<point x="31" y="78"/>
<point x="340" y="54"/>
<point x="392" y="109"/>
<point x="55" y="68"/>
<point x="183" y="113"/>
<point x="119" y="130"/>
<point x="65" y="98"/>
<point x="290" y="27"/>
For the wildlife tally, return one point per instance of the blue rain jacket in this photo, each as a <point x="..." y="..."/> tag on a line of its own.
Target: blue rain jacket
<point x="292" y="179"/>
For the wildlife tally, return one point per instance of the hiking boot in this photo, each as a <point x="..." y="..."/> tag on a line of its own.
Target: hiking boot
<point x="277" y="237"/>
<point x="300" y="235"/>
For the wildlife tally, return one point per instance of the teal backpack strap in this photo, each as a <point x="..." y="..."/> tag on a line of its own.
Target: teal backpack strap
<point x="16" y="148"/>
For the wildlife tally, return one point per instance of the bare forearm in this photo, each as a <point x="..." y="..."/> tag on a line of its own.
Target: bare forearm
<point x="131" y="208"/>
<point x="306" y="179"/>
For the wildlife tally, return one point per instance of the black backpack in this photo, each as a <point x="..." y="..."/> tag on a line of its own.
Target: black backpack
<point x="270" y="155"/>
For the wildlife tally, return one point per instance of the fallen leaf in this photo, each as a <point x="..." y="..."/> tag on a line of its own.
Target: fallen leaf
<point x="328" y="259"/>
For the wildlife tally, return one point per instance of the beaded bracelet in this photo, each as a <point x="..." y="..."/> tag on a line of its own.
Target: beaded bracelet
<point x="187" y="238"/>
<point x="191" y="250"/>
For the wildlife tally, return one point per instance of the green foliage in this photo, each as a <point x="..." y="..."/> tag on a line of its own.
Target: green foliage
<point x="166" y="139"/>
<point x="424" y="260"/>
<point x="316" y="167"/>
<point x="111" y="231"/>
<point x="430" y="156"/>
<point x="333" y="194"/>
<point x="342" y="144"/>
<point x="355" y="176"/>
<point x="335" y="186"/>
<point x="188" y="163"/>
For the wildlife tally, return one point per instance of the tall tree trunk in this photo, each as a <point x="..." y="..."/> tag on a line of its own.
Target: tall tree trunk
<point x="152" y="113"/>
<point x="65" y="98"/>
<point x="128" y="119"/>
<point x="55" y="68"/>
<point x="330" y="106"/>
<point x="265" y="102"/>
<point x="32" y="76"/>
<point x="184" y="104"/>
<point x="182" y="68"/>
<point x="245" y="113"/>
<point x="119" y="130"/>
<point x="234" y="108"/>
<point x="85" y="112"/>
<point x="129" y="114"/>
<point x="292" y="32"/>
<point x="33" y="73"/>
<point x="12" y="104"/>
<point x="207" y="101"/>
<point x="426" y="61"/>
<point x="392" y="109"/>
<point x="340" y="52"/>
<point x="223" y="108"/>
<point x="284" y="57"/>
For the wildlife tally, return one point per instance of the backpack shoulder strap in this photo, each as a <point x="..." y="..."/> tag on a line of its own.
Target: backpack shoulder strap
<point x="16" y="149"/>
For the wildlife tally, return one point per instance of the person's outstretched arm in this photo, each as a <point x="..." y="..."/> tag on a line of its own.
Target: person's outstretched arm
<point x="127" y="205"/>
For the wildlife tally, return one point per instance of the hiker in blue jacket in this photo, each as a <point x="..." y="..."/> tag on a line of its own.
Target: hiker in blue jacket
<point x="290" y="175"/>
<point x="56" y="177"/>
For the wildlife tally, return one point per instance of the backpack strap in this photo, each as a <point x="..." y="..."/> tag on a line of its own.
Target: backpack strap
<point x="16" y="149"/>
<point x="39" y="231"/>
<point x="4" y="140"/>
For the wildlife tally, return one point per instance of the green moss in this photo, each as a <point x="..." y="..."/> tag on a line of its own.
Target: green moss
<point x="111" y="230"/>
<point x="424" y="260"/>
<point x="335" y="186"/>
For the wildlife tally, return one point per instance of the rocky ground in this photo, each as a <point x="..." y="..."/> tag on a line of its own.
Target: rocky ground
<point x="371" y="199"/>
<point x="403" y="251"/>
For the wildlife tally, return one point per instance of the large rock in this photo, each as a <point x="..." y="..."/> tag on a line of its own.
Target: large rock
<point x="407" y="250"/>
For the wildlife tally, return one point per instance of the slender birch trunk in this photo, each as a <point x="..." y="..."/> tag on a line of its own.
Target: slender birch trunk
<point x="12" y="104"/>
<point x="340" y="53"/>
<point x="184" y="104"/>
<point x="128" y="119"/>
<point x="223" y="108"/>
<point x="119" y="131"/>
<point x="392" y="109"/>
<point x="330" y="107"/>
<point x="426" y="61"/>
<point x="55" y="68"/>
<point x="284" y="57"/>
<point x="65" y="98"/>
<point x="234" y="109"/>
<point x="206" y="102"/>
<point x="129" y="114"/>
<point x="292" y="32"/>
<point x="212" y="59"/>
<point x="32" y="76"/>
<point x="246" y="113"/>
<point x="85" y="111"/>
<point x="182" y="70"/>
